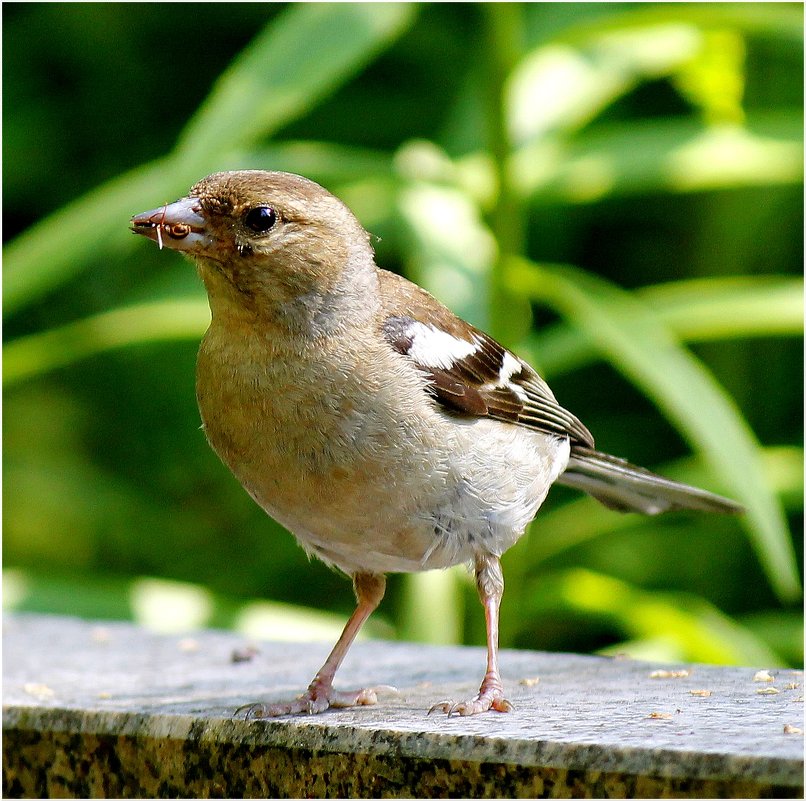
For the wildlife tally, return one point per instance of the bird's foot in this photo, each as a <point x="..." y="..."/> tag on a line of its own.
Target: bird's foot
<point x="318" y="698"/>
<point x="491" y="698"/>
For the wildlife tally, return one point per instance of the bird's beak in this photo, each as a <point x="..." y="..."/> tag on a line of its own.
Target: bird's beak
<point x="179" y="226"/>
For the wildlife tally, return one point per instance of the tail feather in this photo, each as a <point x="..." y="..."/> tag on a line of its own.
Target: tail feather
<point x="627" y="488"/>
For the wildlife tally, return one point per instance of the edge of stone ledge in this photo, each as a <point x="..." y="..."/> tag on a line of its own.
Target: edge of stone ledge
<point x="317" y="734"/>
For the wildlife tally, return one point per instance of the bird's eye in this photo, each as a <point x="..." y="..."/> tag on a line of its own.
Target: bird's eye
<point x="260" y="219"/>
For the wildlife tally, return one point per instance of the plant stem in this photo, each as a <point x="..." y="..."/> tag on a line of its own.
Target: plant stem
<point x="509" y="315"/>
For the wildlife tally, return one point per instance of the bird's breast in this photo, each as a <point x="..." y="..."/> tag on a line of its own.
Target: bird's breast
<point x="368" y="473"/>
<point x="310" y="437"/>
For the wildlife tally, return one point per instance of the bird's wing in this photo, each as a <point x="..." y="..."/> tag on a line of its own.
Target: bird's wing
<point x="469" y="372"/>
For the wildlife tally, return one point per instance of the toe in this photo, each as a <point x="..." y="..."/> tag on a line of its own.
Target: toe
<point x="315" y="701"/>
<point x="502" y="705"/>
<point x="343" y="700"/>
<point x="473" y="706"/>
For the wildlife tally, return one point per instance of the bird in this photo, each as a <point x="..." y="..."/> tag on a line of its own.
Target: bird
<point x="384" y="432"/>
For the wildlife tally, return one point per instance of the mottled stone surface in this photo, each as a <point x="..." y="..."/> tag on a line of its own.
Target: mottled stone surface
<point x="112" y="710"/>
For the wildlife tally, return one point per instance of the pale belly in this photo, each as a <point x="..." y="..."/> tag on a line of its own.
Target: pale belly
<point x="375" y="488"/>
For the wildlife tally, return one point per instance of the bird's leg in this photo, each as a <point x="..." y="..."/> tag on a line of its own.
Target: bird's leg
<point x="320" y="695"/>
<point x="490" y="584"/>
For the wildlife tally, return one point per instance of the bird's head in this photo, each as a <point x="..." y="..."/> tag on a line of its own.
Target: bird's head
<point x="271" y="242"/>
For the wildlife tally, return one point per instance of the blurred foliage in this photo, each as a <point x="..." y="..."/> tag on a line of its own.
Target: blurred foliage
<point x="614" y="190"/>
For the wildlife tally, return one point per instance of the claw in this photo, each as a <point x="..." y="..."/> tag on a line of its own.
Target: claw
<point x="442" y="706"/>
<point x="252" y="711"/>
<point x="503" y="705"/>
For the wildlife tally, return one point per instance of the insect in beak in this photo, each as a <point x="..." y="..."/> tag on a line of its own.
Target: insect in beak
<point x="179" y="225"/>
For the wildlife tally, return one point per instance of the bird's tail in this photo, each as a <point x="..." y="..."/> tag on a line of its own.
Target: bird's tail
<point x="622" y="486"/>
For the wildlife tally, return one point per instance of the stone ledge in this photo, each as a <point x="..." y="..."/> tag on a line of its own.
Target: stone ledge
<point x="112" y="710"/>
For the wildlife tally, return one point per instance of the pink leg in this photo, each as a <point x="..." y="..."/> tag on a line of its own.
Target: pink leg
<point x="369" y="589"/>
<point x="490" y="584"/>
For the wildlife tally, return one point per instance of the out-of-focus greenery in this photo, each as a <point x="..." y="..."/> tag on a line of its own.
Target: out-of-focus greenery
<point x="614" y="190"/>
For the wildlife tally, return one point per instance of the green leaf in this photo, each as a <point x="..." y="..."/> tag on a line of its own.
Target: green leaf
<point x="672" y="155"/>
<point x="561" y="88"/>
<point x="714" y="81"/>
<point x="780" y="21"/>
<point x="325" y="162"/>
<point x="705" y="309"/>
<point x="296" y="61"/>
<point x="578" y="69"/>
<point x="697" y="630"/>
<point x="451" y="249"/>
<point x="630" y="336"/>
<point x="148" y="322"/>
<point x="696" y="310"/>
<point x="64" y="243"/>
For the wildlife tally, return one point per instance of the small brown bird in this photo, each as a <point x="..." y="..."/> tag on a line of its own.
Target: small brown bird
<point x="384" y="432"/>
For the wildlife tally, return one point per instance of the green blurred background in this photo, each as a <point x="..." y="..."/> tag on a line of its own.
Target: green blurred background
<point x="614" y="190"/>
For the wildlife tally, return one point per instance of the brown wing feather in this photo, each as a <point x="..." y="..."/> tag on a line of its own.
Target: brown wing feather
<point x="476" y="384"/>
